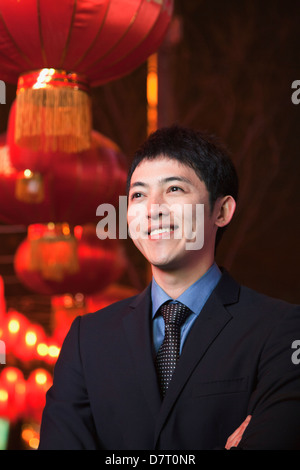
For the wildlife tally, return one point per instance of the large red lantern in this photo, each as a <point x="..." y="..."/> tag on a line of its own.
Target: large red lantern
<point x="100" y="262"/>
<point x="57" y="49"/>
<point x="69" y="191"/>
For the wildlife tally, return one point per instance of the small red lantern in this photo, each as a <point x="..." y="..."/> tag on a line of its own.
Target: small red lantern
<point x="100" y="262"/>
<point x="26" y="348"/>
<point x="64" y="310"/>
<point x="15" y="324"/>
<point x="53" y="250"/>
<point x="12" y="393"/>
<point x="38" y="383"/>
<point x="57" y="49"/>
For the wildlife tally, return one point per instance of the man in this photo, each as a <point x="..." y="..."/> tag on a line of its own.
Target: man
<point x="234" y="384"/>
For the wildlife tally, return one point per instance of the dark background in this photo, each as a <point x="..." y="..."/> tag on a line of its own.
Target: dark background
<point x="226" y="68"/>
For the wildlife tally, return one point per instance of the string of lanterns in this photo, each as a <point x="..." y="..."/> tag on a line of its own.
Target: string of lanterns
<point x="51" y="156"/>
<point x="31" y="353"/>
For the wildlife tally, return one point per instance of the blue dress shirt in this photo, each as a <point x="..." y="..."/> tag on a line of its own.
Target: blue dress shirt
<point x="194" y="298"/>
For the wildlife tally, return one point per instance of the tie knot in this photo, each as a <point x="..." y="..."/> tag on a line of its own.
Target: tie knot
<point x="174" y="313"/>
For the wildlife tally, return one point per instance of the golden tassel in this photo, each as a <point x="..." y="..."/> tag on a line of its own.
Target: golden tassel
<point x="53" y="112"/>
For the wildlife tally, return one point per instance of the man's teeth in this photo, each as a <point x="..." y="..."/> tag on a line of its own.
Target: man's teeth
<point x="157" y="231"/>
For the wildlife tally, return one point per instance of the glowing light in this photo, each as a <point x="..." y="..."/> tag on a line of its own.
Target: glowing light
<point x="11" y="376"/>
<point x="66" y="229"/>
<point x="3" y="395"/>
<point x="13" y="326"/>
<point x="152" y="87"/>
<point x="51" y="226"/>
<point x="27" y="173"/>
<point x="34" y="442"/>
<point x="78" y="229"/>
<point x="30" y="436"/>
<point x="53" y="351"/>
<point x="152" y="93"/>
<point x="27" y="434"/>
<point x="42" y="349"/>
<point x="41" y="378"/>
<point x="30" y="338"/>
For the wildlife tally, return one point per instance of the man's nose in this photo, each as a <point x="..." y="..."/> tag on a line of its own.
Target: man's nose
<point x="156" y="207"/>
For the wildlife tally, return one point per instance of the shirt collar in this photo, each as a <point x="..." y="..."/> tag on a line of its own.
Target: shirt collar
<point x="194" y="297"/>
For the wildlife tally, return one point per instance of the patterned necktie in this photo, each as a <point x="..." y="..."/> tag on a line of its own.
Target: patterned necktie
<point x="174" y="315"/>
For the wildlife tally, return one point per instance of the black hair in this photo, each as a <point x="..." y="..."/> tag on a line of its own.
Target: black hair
<point x="202" y="152"/>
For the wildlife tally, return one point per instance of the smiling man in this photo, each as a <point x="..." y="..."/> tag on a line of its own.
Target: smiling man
<point x="166" y="209"/>
<point x="195" y="361"/>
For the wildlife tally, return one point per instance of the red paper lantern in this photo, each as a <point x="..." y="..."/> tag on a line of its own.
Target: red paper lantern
<point x="100" y="263"/>
<point x="57" y="49"/>
<point x="12" y="393"/>
<point x="64" y="310"/>
<point x="53" y="251"/>
<point x="15" y="324"/>
<point x="26" y="348"/>
<point x="38" y="383"/>
<point x="68" y="190"/>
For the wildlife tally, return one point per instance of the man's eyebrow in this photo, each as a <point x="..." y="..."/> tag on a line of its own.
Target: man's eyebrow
<point x="176" y="178"/>
<point x="137" y="183"/>
<point x="169" y="179"/>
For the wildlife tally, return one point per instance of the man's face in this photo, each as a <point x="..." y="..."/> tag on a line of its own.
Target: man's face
<point x="169" y="213"/>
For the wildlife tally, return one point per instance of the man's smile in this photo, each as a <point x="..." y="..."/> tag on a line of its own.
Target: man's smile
<point x="161" y="232"/>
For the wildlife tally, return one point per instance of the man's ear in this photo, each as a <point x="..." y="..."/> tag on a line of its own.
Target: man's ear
<point x="225" y="208"/>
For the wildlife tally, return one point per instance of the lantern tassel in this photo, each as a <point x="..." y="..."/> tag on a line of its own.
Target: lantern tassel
<point x="53" y="112"/>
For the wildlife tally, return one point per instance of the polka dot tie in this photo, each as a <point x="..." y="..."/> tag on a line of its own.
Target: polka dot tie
<point x="174" y="315"/>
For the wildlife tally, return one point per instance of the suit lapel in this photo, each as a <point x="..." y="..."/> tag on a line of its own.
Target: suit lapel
<point x="211" y="321"/>
<point x="138" y="332"/>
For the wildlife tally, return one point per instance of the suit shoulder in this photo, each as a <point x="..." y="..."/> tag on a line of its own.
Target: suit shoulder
<point x="260" y="302"/>
<point x="241" y="297"/>
<point x="113" y="310"/>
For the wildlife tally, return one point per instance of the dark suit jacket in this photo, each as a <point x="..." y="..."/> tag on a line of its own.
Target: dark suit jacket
<point x="237" y="360"/>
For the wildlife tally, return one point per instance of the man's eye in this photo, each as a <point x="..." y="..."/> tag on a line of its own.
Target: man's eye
<point x="136" y="195"/>
<point x="173" y="189"/>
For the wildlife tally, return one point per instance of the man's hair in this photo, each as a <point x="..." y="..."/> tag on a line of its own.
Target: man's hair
<point x="200" y="151"/>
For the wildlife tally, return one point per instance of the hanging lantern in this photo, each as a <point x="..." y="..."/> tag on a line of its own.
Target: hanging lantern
<point x="65" y="309"/>
<point x="12" y="393"/>
<point x="15" y="324"/>
<point x="57" y="50"/>
<point x="31" y="337"/>
<point x="54" y="111"/>
<point x="38" y="383"/>
<point x="100" y="262"/>
<point x="53" y="251"/>
<point x="70" y="189"/>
